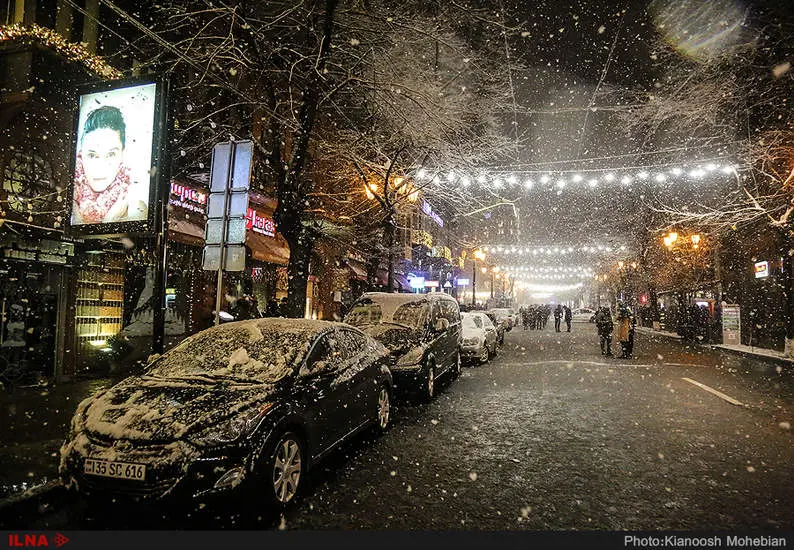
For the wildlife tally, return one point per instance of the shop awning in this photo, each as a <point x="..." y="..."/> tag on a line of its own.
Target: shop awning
<point x="183" y="231"/>
<point x="273" y="250"/>
<point x="402" y="281"/>
<point x="358" y="271"/>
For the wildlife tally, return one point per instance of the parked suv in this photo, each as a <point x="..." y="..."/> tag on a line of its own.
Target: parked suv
<point x="422" y="331"/>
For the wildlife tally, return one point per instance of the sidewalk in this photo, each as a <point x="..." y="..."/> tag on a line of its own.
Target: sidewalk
<point x="746" y="351"/>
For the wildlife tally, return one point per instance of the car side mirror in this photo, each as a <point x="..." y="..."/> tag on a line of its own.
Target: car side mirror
<point x="442" y="324"/>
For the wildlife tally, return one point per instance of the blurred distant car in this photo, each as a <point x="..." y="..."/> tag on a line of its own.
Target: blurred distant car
<point x="510" y="314"/>
<point x="250" y="405"/>
<point x="583" y="314"/>
<point x="422" y="331"/>
<point x="480" y="339"/>
<point x="503" y="318"/>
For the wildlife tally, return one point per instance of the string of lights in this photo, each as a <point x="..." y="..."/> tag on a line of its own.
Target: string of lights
<point x="547" y="277"/>
<point x="578" y="178"/>
<point x="69" y="50"/>
<point x="546" y="269"/>
<point x="551" y="250"/>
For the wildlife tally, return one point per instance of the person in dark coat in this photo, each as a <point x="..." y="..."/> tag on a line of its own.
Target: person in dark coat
<point x="271" y="310"/>
<point x="605" y="326"/>
<point x="568" y="316"/>
<point x="557" y="317"/>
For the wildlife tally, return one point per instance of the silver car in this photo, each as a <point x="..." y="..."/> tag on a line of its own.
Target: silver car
<point x="480" y="338"/>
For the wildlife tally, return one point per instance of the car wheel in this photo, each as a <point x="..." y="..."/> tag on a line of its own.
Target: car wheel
<point x="384" y="409"/>
<point x="285" y="470"/>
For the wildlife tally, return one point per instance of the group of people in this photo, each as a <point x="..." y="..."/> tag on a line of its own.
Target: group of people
<point x="535" y="316"/>
<point x="625" y="326"/>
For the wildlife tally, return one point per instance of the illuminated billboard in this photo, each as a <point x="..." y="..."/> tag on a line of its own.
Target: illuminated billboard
<point x="115" y="157"/>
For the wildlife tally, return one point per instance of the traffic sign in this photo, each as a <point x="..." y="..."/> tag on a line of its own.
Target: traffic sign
<point x="224" y="234"/>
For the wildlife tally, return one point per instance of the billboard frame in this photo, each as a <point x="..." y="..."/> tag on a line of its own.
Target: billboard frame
<point x="159" y="161"/>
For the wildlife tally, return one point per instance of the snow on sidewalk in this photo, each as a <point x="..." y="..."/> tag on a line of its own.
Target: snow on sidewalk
<point x="761" y="353"/>
<point x="751" y="350"/>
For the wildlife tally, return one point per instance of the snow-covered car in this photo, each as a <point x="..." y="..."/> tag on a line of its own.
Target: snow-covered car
<point x="422" y="331"/>
<point x="500" y="327"/>
<point x="246" y="406"/>
<point x="510" y="314"/>
<point x="583" y="314"/>
<point x="480" y="339"/>
<point x="503" y="318"/>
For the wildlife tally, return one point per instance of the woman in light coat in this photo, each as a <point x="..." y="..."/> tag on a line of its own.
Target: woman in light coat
<point x="625" y="331"/>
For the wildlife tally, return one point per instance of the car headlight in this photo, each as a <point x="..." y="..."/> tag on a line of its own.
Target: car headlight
<point x="233" y="428"/>
<point x="413" y="357"/>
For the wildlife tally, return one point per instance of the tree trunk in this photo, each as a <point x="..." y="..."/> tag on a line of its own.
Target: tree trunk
<point x="390" y="231"/>
<point x="300" y="251"/>
<point x="788" y="289"/>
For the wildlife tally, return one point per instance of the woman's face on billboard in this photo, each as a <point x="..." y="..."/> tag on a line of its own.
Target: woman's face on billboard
<point x="102" y="156"/>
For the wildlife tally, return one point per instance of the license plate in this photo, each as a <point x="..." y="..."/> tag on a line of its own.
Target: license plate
<point x="121" y="470"/>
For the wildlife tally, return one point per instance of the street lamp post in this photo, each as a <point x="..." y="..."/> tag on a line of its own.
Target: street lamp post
<point x="478" y="255"/>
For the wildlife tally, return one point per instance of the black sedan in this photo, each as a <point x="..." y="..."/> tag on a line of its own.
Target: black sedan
<point x="247" y="405"/>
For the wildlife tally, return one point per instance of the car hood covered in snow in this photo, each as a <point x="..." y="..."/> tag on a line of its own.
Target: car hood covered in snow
<point x="160" y="410"/>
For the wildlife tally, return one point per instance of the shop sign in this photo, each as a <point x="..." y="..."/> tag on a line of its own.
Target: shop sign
<point x="761" y="270"/>
<point x="260" y="224"/>
<point x="463" y="282"/>
<point x="731" y="324"/>
<point x="431" y="284"/>
<point x="427" y="209"/>
<point x="47" y="251"/>
<point x="188" y="198"/>
<point x="416" y="281"/>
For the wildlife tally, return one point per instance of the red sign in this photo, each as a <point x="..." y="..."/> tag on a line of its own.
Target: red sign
<point x="644" y="298"/>
<point x="187" y="197"/>
<point x="260" y="224"/>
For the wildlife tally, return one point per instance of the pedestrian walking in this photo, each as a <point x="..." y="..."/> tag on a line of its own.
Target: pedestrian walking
<point x="557" y="317"/>
<point x="625" y="331"/>
<point x="568" y="317"/>
<point x="605" y="326"/>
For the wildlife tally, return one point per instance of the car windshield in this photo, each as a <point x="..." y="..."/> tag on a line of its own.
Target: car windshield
<point x="236" y="352"/>
<point x="368" y="313"/>
<point x="471" y="321"/>
<point x="412" y="314"/>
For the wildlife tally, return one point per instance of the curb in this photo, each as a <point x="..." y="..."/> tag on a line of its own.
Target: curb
<point x="750" y="355"/>
<point x="30" y="502"/>
<point x="716" y="347"/>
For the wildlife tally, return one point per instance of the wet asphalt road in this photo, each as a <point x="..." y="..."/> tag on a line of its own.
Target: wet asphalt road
<point x="550" y="435"/>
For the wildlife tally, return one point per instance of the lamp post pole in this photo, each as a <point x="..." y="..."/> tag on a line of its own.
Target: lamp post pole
<point x="474" y="281"/>
<point x="477" y="255"/>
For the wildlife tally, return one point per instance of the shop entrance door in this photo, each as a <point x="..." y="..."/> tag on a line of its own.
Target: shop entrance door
<point x="28" y="322"/>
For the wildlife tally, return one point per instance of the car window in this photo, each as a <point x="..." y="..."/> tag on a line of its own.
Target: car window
<point x="364" y="313"/>
<point x="486" y="321"/>
<point x="327" y="355"/>
<point x="236" y="350"/>
<point x="472" y="321"/>
<point x="353" y="343"/>
<point x="450" y="311"/>
<point x="412" y="314"/>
